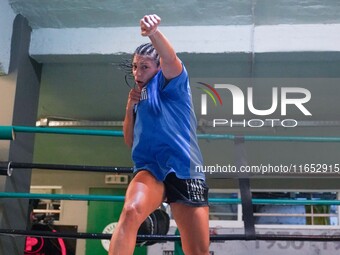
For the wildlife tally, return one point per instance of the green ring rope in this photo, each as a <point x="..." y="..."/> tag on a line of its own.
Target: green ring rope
<point x="78" y="197"/>
<point x="67" y="131"/>
<point x="6" y="133"/>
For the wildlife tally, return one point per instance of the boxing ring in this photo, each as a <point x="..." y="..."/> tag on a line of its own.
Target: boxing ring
<point x="246" y="200"/>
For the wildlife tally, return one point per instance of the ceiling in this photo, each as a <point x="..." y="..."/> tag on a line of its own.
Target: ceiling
<point x="61" y="14"/>
<point x="122" y="13"/>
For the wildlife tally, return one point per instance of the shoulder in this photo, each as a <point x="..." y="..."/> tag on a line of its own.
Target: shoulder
<point x="181" y="78"/>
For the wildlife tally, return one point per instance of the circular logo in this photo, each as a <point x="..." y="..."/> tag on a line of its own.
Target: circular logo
<point x="109" y="229"/>
<point x="33" y="244"/>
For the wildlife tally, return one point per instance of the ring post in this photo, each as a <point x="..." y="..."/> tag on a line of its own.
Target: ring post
<point x="244" y="184"/>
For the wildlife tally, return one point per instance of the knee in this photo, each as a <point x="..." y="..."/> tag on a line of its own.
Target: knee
<point x="198" y="251"/>
<point x="203" y="251"/>
<point x="200" y="248"/>
<point x="132" y="214"/>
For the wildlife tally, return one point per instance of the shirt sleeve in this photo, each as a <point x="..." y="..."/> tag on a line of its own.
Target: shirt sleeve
<point x="175" y="88"/>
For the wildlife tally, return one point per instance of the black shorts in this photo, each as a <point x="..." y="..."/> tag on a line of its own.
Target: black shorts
<point x="192" y="192"/>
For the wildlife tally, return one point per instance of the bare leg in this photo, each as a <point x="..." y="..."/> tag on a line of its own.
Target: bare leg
<point x="143" y="196"/>
<point x="193" y="225"/>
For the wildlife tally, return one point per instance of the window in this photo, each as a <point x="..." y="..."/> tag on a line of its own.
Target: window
<point x="223" y="211"/>
<point x="297" y="214"/>
<point x="46" y="210"/>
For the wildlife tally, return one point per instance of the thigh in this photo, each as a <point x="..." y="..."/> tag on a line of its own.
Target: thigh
<point x="193" y="225"/>
<point x="145" y="193"/>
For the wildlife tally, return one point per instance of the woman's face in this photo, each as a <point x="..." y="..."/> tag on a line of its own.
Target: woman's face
<point x="143" y="69"/>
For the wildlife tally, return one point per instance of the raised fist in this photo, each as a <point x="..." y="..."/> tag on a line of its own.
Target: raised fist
<point x="149" y="24"/>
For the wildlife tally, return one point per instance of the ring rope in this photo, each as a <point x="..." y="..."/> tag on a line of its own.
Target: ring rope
<point x="63" y="167"/>
<point x="79" y="197"/>
<point x="76" y="197"/>
<point x="4" y="130"/>
<point x="158" y="238"/>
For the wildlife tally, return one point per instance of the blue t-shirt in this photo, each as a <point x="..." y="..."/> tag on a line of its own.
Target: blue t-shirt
<point x="165" y="129"/>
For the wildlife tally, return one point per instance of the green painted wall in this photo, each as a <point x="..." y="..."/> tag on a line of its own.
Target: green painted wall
<point x="101" y="214"/>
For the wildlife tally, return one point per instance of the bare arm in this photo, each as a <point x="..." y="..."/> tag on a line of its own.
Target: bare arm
<point x="129" y="120"/>
<point x="170" y="63"/>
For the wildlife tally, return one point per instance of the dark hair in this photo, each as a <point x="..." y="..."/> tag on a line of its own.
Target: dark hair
<point x="147" y="49"/>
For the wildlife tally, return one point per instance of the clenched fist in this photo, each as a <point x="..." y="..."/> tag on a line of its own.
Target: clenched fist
<point x="149" y="24"/>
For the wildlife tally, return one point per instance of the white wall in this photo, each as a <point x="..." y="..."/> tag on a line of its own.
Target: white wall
<point x="6" y="27"/>
<point x="7" y="83"/>
<point x="7" y="94"/>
